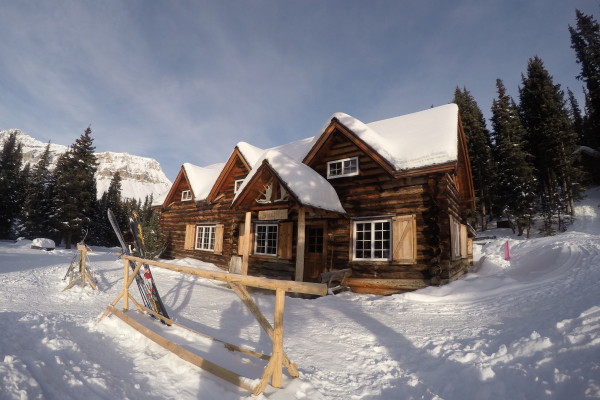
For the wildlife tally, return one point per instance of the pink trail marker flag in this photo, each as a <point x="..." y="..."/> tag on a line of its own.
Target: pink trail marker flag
<point x="506" y="251"/>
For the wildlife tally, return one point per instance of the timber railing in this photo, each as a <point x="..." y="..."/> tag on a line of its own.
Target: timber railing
<point x="278" y="358"/>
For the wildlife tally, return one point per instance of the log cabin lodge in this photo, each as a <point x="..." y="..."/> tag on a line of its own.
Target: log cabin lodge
<point x="388" y="200"/>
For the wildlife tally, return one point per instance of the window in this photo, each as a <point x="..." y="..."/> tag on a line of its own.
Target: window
<point x="372" y="240"/>
<point x="265" y="239"/>
<point x="186" y="195"/>
<point x="236" y="185"/>
<point x="314" y="240"/>
<point x="459" y="239"/>
<point x="345" y="167"/>
<point x="205" y="237"/>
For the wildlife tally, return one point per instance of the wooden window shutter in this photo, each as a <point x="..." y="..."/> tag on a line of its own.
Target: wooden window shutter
<point x="219" y="239"/>
<point x="463" y="241"/>
<point x="404" y="237"/>
<point x="285" y="240"/>
<point x="454" y="238"/>
<point x="241" y="238"/>
<point x="190" y="237"/>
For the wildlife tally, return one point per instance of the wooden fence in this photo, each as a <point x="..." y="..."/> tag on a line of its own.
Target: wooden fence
<point x="276" y="361"/>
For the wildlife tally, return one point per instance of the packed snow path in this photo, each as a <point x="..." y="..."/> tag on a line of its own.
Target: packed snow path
<point x="528" y="328"/>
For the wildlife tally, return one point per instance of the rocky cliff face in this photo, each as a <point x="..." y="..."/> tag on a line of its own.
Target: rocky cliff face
<point x="141" y="176"/>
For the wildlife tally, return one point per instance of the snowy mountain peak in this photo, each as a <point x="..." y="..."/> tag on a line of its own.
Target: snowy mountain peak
<point x="141" y="176"/>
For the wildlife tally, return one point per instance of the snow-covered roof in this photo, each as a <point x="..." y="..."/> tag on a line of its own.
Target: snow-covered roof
<point x="202" y="179"/>
<point x="296" y="150"/>
<point x="410" y="141"/>
<point x="304" y="183"/>
<point x="420" y="139"/>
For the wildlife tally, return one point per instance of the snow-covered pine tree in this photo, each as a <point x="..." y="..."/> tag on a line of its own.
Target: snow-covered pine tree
<point x="515" y="184"/>
<point x="585" y="40"/>
<point x="75" y="189"/>
<point x="480" y="151"/>
<point x="12" y="185"/>
<point x="38" y="207"/>
<point x="552" y="141"/>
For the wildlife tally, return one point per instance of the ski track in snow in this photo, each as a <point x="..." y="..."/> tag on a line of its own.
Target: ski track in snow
<point x="528" y="328"/>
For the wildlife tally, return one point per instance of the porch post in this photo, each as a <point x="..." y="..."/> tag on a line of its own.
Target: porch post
<point x="247" y="244"/>
<point x="300" y="245"/>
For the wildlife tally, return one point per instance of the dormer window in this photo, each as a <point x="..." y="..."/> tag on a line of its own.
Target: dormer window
<point x="344" y="167"/>
<point x="186" y="195"/>
<point x="237" y="185"/>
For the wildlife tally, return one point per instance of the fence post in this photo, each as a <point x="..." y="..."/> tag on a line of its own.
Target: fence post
<point x="277" y="355"/>
<point x="126" y="284"/>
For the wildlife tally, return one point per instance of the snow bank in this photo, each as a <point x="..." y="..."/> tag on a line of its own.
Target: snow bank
<point x="528" y="328"/>
<point x="43" y="243"/>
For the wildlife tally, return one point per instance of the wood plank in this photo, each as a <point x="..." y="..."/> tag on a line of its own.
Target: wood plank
<point x="246" y="245"/>
<point x="404" y="284"/>
<point x="243" y="294"/>
<point x="228" y="346"/>
<point x="263" y="283"/>
<point x="277" y="356"/>
<point x="184" y="354"/>
<point x="300" y="245"/>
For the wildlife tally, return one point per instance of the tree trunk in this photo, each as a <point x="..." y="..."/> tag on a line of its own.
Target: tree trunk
<point x="68" y="239"/>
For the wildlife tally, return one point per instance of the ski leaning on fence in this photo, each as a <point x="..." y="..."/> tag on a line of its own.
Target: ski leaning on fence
<point x="136" y="229"/>
<point x="143" y="279"/>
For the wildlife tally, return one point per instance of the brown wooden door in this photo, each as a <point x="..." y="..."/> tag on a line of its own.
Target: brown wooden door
<point x="315" y="256"/>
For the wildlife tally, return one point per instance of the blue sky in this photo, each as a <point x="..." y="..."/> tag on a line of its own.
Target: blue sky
<point x="184" y="81"/>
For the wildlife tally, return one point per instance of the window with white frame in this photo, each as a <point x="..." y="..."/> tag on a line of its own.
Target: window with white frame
<point x="265" y="239"/>
<point x="205" y="237"/>
<point x="237" y="185"/>
<point x="186" y="195"/>
<point x="344" y="167"/>
<point x="372" y="240"/>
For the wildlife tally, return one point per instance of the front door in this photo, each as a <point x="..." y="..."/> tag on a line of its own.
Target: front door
<point x="315" y="257"/>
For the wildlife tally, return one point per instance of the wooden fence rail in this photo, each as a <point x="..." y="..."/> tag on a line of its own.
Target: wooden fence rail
<point x="276" y="361"/>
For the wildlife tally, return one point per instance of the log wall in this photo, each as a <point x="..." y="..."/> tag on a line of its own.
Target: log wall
<point x="433" y="198"/>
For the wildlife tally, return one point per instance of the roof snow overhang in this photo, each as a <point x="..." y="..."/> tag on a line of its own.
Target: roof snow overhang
<point x="235" y="156"/>
<point x="304" y="185"/>
<point x="181" y="176"/>
<point x="335" y="125"/>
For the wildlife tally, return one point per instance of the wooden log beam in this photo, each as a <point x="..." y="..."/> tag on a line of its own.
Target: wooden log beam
<point x="254" y="281"/>
<point x="299" y="277"/>
<point x="184" y="354"/>
<point x="277" y="355"/>
<point x="247" y="299"/>
<point x="247" y="244"/>
<point x="394" y="284"/>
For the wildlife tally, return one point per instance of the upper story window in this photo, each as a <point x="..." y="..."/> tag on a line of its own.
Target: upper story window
<point x="237" y="185"/>
<point x="344" y="167"/>
<point x="186" y="195"/>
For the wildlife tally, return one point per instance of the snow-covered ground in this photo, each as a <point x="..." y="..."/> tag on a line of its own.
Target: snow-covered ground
<point x="528" y="328"/>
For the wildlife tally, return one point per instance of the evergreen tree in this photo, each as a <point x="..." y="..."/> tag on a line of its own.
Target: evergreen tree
<point x="12" y="185"/>
<point x="154" y="240"/>
<point x="75" y="189"/>
<point x="38" y="208"/>
<point x="585" y="40"/>
<point x="575" y="116"/>
<point x="552" y="141"/>
<point x="480" y="151"/>
<point x="515" y="177"/>
<point x="111" y="199"/>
